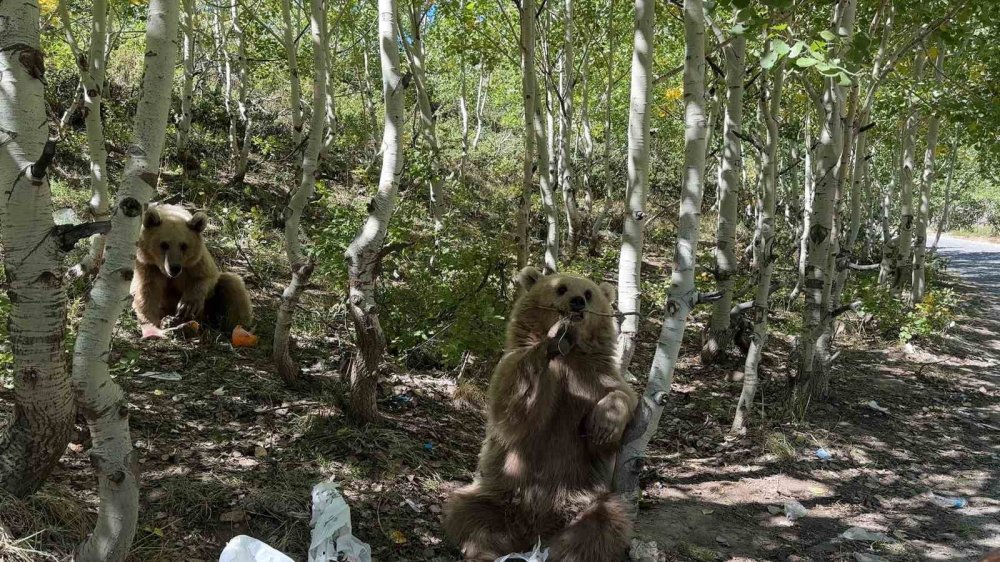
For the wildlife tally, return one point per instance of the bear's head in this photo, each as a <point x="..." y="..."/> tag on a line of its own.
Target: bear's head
<point x="171" y="238"/>
<point x="549" y="298"/>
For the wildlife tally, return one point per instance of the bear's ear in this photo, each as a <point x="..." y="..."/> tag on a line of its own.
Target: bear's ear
<point x="609" y="291"/>
<point x="151" y="218"/>
<point x="527" y="277"/>
<point x="198" y="222"/>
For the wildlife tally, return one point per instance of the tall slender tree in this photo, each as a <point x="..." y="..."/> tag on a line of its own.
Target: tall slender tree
<point x="529" y="93"/>
<point x="918" y="284"/>
<point x="99" y="397"/>
<point x="365" y="253"/>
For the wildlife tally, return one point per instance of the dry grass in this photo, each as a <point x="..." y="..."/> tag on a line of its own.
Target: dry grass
<point x="49" y="524"/>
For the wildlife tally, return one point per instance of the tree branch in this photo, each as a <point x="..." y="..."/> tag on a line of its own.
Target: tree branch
<point x="70" y="234"/>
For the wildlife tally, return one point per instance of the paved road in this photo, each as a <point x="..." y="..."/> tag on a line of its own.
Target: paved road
<point x="976" y="261"/>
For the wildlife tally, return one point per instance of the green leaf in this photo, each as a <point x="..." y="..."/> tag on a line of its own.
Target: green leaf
<point x="797" y="49"/>
<point x="779" y="27"/>
<point x="806" y="62"/>
<point x="780" y="47"/>
<point x="845" y="80"/>
<point x="768" y="60"/>
<point x="827" y="35"/>
<point x="738" y="29"/>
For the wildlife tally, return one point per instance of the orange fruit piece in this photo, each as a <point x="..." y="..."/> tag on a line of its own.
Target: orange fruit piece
<point x="242" y="338"/>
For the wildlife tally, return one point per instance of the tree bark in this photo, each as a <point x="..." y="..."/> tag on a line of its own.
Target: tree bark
<point x="946" y="208"/>
<point x="188" y="48"/>
<point x="918" y="282"/>
<point x="567" y="83"/>
<point x="597" y="228"/>
<point x="682" y="295"/>
<point x="726" y="261"/>
<point x="364" y="253"/>
<point x="241" y="146"/>
<point x="770" y="104"/>
<point x="35" y="437"/>
<point x="630" y="258"/>
<point x="301" y="266"/>
<point x="99" y="397"/>
<point x="481" y="99"/>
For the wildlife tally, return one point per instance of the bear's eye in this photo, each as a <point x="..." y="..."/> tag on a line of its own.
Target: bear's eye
<point x="184" y="247"/>
<point x="588" y="295"/>
<point x="164" y="246"/>
<point x="561" y="290"/>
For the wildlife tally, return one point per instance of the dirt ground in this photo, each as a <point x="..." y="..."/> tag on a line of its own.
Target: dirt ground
<point x="229" y="450"/>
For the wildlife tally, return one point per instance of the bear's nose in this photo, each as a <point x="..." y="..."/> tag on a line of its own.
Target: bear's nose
<point x="577" y="304"/>
<point x="174" y="270"/>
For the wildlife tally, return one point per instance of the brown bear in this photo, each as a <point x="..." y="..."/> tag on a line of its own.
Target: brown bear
<point x="177" y="279"/>
<point x="557" y="407"/>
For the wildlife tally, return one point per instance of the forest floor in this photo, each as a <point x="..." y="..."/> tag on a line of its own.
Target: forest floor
<point x="230" y="450"/>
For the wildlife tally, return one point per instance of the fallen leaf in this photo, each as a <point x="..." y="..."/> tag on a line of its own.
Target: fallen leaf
<point x="234" y="516"/>
<point x="242" y="338"/>
<point x="219" y="391"/>
<point x="259" y="452"/>
<point x="707" y="511"/>
<point x="397" y="537"/>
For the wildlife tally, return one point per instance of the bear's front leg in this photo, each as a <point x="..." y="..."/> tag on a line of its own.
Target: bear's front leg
<point x="609" y="417"/>
<point x="192" y="303"/>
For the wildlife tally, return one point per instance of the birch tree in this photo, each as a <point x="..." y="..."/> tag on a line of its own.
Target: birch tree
<point x="416" y="53"/>
<point x="188" y="52"/>
<point x="295" y="87"/>
<point x="904" y="249"/>
<point x="529" y="93"/>
<point x="730" y="174"/>
<point x="682" y="295"/>
<point x="99" y="397"/>
<point x="597" y="227"/>
<point x="92" y="67"/>
<point x="43" y="416"/>
<point x="808" y="384"/>
<point x="946" y="206"/>
<point x="301" y="266"/>
<point x="918" y="282"/>
<point x="365" y="253"/>
<point x="238" y="67"/>
<point x="567" y="181"/>
<point x="637" y="163"/>
<point x="772" y="81"/>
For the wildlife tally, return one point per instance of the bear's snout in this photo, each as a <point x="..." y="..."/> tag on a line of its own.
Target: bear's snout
<point x="173" y="270"/>
<point x="577" y="304"/>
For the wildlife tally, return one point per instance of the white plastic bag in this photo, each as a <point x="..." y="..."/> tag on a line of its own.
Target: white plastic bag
<point x="536" y="555"/>
<point x="242" y="548"/>
<point x="331" y="528"/>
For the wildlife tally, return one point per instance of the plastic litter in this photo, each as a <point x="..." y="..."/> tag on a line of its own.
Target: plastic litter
<point x="536" y="555"/>
<point x="332" y="539"/>
<point x="859" y="534"/>
<point x="66" y="215"/>
<point x="242" y="548"/>
<point x="875" y="406"/>
<point x="795" y="510"/>
<point x="949" y="502"/>
<point x="171" y="376"/>
<point x="823" y="455"/>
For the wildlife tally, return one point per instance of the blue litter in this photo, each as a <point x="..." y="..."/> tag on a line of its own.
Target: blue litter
<point x="823" y="454"/>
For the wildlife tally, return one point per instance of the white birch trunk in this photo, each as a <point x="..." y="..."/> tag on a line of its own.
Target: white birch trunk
<point x="918" y="283"/>
<point x="637" y="164"/>
<point x="819" y="277"/>
<point x="946" y="208"/>
<point x="808" y="183"/>
<point x="291" y="52"/>
<point x="529" y="92"/>
<point x="904" y="249"/>
<point x="188" y="48"/>
<point x="99" y="397"/>
<point x="682" y="295"/>
<point x="730" y="167"/>
<point x="416" y="54"/>
<point x="91" y="66"/>
<point x="597" y="228"/>
<point x="463" y="110"/>
<point x="300" y="266"/>
<point x="772" y="82"/>
<point x="242" y="146"/>
<point x="37" y="434"/>
<point x="365" y="252"/>
<point x="586" y="141"/>
<point x="481" y="99"/>
<point x="566" y="177"/>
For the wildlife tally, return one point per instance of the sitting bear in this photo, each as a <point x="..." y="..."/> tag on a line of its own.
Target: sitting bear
<point x="557" y="407"/>
<point x="175" y="276"/>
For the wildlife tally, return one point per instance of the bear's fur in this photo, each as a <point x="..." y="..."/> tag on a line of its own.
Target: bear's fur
<point x="557" y="407"/>
<point x="177" y="279"/>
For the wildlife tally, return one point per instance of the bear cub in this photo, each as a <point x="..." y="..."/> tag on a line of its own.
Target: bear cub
<point x="176" y="279"/>
<point x="557" y="408"/>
